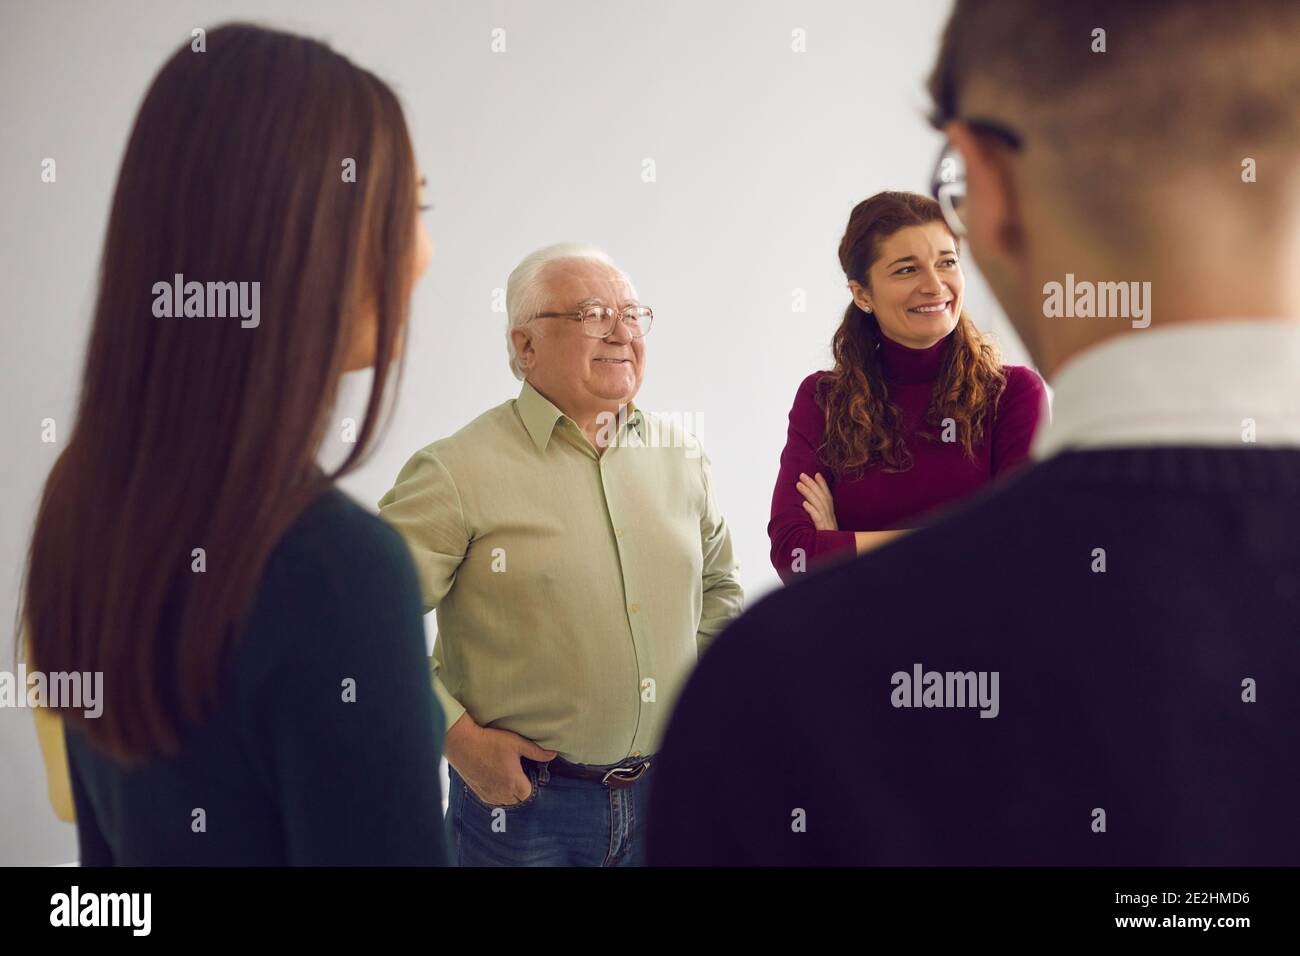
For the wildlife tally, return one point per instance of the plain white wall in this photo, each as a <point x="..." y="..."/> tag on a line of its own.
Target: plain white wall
<point x="760" y="153"/>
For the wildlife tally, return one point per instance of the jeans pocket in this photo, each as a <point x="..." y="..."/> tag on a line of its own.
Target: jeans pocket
<point x="531" y="770"/>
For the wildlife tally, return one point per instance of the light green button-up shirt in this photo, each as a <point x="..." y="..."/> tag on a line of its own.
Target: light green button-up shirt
<point x="574" y="591"/>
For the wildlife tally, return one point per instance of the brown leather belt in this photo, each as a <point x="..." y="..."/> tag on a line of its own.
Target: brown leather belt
<point x="620" y="778"/>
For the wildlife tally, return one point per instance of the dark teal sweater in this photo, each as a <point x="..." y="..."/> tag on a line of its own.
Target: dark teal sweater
<point x="286" y="771"/>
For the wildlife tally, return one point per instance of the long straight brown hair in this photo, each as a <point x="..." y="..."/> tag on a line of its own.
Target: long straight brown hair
<point x="198" y="432"/>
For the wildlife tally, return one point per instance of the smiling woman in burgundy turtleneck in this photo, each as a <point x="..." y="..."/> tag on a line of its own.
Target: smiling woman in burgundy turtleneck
<point x="918" y="412"/>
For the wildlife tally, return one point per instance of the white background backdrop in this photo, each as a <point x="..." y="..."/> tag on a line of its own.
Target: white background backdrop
<point x="760" y="154"/>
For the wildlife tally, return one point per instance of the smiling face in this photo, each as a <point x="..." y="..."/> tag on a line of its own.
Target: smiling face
<point x="914" y="287"/>
<point x="581" y="375"/>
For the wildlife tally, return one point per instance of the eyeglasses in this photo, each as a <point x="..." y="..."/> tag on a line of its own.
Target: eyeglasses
<point x="598" y="320"/>
<point x="948" y="182"/>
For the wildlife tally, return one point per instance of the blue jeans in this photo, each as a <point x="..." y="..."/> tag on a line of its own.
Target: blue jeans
<point x="563" y="822"/>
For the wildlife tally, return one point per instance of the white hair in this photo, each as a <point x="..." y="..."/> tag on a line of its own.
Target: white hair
<point x="525" y="291"/>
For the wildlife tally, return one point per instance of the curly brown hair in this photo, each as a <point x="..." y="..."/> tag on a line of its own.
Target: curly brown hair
<point x="863" y="427"/>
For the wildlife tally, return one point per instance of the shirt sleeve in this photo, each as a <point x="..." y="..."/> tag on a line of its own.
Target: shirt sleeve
<point x="723" y="596"/>
<point x="1021" y="407"/>
<point x="350" y="732"/>
<point x="790" y="530"/>
<point x="425" y="507"/>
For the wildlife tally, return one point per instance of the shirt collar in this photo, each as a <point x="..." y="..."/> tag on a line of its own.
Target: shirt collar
<point x="539" y="415"/>
<point x="1205" y="382"/>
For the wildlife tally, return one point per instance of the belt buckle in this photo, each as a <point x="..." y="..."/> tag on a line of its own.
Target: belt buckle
<point x="618" y="773"/>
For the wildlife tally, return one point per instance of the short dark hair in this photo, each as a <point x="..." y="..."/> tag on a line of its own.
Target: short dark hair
<point x="1182" y="84"/>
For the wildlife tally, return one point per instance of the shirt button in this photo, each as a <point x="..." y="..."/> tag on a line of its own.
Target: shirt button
<point x="634" y="608"/>
<point x="618" y="532"/>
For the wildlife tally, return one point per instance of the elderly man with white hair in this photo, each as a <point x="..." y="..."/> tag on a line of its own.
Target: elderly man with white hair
<point x="578" y="562"/>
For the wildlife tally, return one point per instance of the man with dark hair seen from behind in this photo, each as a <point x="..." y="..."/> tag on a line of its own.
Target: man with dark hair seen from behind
<point x="1095" y="663"/>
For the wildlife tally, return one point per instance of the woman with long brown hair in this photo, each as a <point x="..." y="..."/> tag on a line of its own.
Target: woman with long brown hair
<point x="917" y="412"/>
<point x="266" y="697"/>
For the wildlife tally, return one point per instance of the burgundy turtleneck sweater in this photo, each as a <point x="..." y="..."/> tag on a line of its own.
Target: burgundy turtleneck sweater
<point x="878" y="500"/>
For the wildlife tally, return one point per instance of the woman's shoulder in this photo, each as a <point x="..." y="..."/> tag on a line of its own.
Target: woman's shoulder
<point x="812" y="378"/>
<point x="806" y="407"/>
<point x="339" y="580"/>
<point x="337" y="553"/>
<point x="807" y="390"/>
<point x="336" y="528"/>
<point x="1023" y="403"/>
<point x="1022" y="380"/>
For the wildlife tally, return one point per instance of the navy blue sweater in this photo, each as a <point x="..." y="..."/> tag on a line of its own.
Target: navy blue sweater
<point x="286" y="771"/>
<point x="1125" y="731"/>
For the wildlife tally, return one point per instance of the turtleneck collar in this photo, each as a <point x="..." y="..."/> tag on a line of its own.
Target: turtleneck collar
<point x="906" y="365"/>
